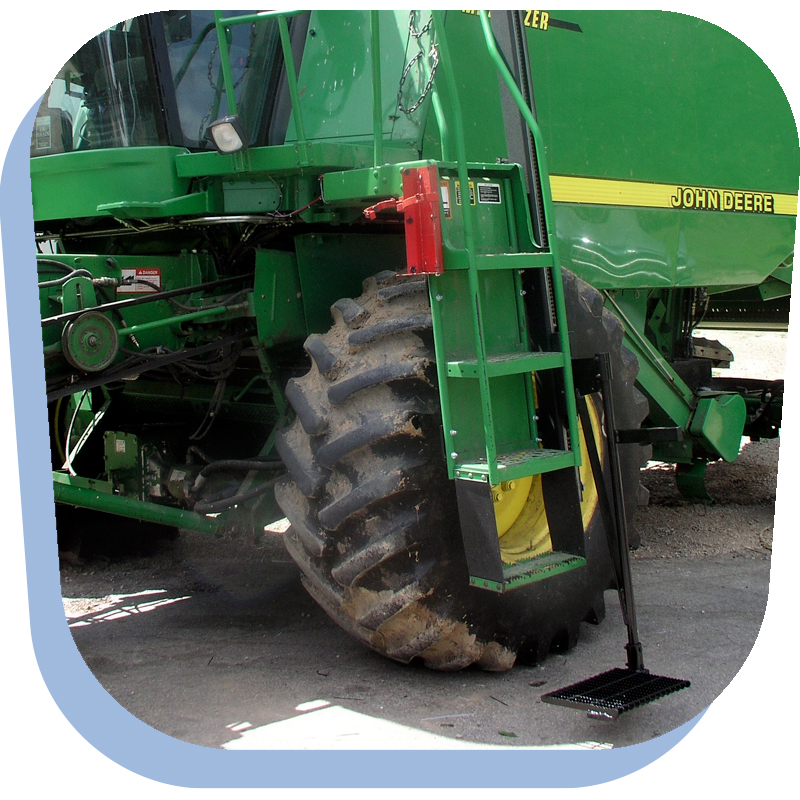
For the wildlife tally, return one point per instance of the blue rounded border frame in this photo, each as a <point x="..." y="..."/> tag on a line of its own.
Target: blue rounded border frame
<point x="120" y="736"/>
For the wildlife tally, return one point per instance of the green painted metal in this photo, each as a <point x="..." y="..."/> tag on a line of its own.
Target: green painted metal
<point x="642" y="127"/>
<point x="718" y="422"/>
<point x="73" y="185"/>
<point x="225" y="61"/>
<point x="69" y="492"/>
<point x="334" y="265"/>
<point x="377" y="105"/>
<point x="686" y="94"/>
<point x="547" y="201"/>
<point x="278" y="298"/>
<point x="192" y="316"/>
<point x="536" y="569"/>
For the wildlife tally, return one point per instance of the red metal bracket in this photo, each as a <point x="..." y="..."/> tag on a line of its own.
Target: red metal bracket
<point x="384" y="205"/>
<point x="420" y="206"/>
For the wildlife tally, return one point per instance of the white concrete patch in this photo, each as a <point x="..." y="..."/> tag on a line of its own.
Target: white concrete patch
<point x="337" y="728"/>
<point x="103" y="609"/>
<point x="238" y="727"/>
<point x="312" y="705"/>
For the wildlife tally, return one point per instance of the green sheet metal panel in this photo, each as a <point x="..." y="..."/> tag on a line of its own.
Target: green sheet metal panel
<point x="75" y="184"/>
<point x="673" y="102"/>
<point x="335" y="80"/>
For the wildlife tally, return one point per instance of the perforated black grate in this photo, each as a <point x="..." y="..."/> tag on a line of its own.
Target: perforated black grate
<point x="615" y="691"/>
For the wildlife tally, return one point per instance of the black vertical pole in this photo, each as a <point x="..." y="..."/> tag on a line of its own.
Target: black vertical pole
<point x="634" y="646"/>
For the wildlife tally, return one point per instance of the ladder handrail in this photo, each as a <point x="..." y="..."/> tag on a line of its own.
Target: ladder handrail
<point x="469" y="234"/>
<point x="547" y="200"/>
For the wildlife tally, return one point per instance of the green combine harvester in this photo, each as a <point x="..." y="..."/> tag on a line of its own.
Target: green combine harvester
<point x="355" y="268"/>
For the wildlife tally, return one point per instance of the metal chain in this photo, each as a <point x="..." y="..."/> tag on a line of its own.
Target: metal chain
<point x="412" y="29"/>
<point x="433" y="55"/>
<point x="244" y="69"/>
<point x="207" y="118"/>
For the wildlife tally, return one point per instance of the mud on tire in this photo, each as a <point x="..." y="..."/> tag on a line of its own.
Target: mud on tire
<point x="374" y="521"/>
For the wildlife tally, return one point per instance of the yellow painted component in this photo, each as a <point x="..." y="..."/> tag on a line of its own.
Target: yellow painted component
<point x="520" y="514"/>
<point x="600" y="191"/>
<point x="508" y="502"/>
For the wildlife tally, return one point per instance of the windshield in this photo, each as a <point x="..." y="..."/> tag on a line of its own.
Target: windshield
<point x="118" y="89"/>
<point x="102" y="97"/>
<point x="194" y="60"/>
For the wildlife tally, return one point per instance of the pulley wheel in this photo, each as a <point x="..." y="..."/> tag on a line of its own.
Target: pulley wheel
<point x="90" y="342"/>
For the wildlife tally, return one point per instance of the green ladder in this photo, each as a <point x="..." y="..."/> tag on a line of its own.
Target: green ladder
<point x="499" y="318"/>
<point x="508" y="404"/>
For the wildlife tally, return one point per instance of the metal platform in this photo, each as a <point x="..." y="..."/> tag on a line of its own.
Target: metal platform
<point x="607" y="695"/>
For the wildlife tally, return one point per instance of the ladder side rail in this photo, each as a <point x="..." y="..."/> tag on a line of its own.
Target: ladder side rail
<point x="469" y="239"/>
<point x="547" y="199"/>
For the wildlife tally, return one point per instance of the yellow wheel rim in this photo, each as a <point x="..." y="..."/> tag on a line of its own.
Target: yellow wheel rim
<point x="519" y="506"/>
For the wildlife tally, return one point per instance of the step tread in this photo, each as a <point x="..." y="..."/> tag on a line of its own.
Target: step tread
<point x="507" y="364"/>
<point x="535" y="569"/>
<point x="518" y="463"/>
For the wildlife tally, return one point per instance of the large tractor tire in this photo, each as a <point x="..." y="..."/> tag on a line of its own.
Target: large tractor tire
<point x="374" y="521"/>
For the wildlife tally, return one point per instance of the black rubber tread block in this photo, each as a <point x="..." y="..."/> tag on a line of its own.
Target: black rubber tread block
<point x="407" y="649"/>
<point x="386" y="327"/>
<point x="289" y="498"/>
<point x="404" y="289"/>
<point x="324" y="586"/>
<point x="377" y="427"/>
<point x="597" y="613"/>
<point x="392" y="483"/>
<point x="375" y="552"/>
<point x="310" y="417"/>
<point x="565" y="638"/>
<point x="352" y="313"/>
<point x="341" y="391"/>
<point x="300" y="463"/>
<point x="332" y="609"/>
<point x="387" y="604"/>
<point x="325" y="360"/>
<point x="381" y="279"/>
<point x="533" y="651"/>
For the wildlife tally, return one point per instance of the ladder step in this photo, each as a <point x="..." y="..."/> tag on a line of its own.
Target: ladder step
<point x="514" y="261"/>
<point x="534" y="569"/>
<point x="517" y="464"/>
<point x="506" y="364"/>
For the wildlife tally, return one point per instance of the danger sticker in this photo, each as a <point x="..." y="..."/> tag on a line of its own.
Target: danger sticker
<point x="489" y="193"/>
<point x="141" y="280"/>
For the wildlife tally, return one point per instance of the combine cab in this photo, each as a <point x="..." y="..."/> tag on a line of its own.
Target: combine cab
<point x="354" y="268"/>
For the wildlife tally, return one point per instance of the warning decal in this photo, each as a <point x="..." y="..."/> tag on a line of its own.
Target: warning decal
<point x="489" y="193"/>
<point x="140" y="280"/>
<point x="471" y="193"/>
<point x="445" y="193"/>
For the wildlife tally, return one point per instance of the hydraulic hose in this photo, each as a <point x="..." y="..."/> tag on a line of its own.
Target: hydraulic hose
<point x="228" y="502"/>
<point x="73" y="273"/>
<point x="234" y="465"/>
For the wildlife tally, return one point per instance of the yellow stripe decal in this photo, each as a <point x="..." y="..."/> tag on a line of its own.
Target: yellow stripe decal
<point x="599" y="191"/>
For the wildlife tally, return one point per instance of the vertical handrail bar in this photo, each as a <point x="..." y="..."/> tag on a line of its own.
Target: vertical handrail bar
<point x="547" y="200"/>
<point x="291" y="79"/>
<point x="469" y="240"/>
<point x="377" y="110"/>
<point x="225" y="62"/>
<point x="223" y="24"/>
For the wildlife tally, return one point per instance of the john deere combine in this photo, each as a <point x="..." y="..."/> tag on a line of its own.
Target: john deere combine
<point x="483" y="204"/>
